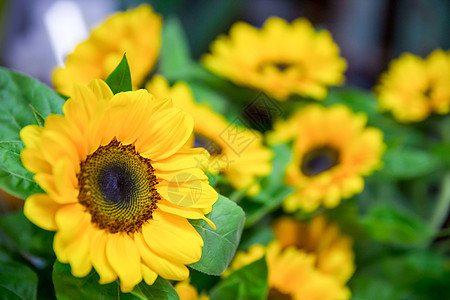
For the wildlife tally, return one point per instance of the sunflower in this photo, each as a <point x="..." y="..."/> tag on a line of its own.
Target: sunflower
<point x="332" y="249"/>
<point x="413" y="87"/>
<point x="134" y="32"/>
<point x="119" y="186"/>
<point x="279" y="59"/>
<point x="188" y="292"/>
<point x="235" y="151"/>
<point x="292" y="273"/>
<point x="332" y="151"/>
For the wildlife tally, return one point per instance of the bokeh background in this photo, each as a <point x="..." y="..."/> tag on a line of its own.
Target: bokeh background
<point x="369" y="33"/>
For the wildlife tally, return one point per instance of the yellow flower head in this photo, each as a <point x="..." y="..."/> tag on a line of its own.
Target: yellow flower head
<point x="187" y="292"/>
<point x="332" y="249"/>
<point x="413" y="87"/>
<point x="235" y="151"/>
<point x="332" y="151"/>
<point x="279" y="59"/>
<point x="118" y="185"/>
<point x="134" y="32"/>
<point x="292" y="274"/>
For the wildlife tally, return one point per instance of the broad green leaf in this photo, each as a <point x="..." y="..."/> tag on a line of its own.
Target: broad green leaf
<point x="160" y="289"/>
<point x="396" y="227"/>
<point x="273" y="188"/>
<point x="356" y="99"/>
<point x="246" y="283"/>
<point x="37" y="116"/>
<point x="32" y="242"/>
<point x="174" y="54"/>
<point x="18" y="93"/>
<point x="406" y="163"/>
<point x="67" y="286"/>
<point x="261" y="235"/>
<point x="412" y="275"/>
<point x="17" y="281"/>
<point x="443" y="152"/>
<point x="220" y="244"/>
<point x="120" y="79"/>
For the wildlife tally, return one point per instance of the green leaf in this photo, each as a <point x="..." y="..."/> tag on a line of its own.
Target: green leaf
<point x="18" y="93"/>
<point x="406" y="163"/>
<point x="120" y="79"/>
<point x="220" y="244"/>
<point x="248" y="282"/>
<point x="174" y="54"/>
<point x="273" y="188"/>
<point x="412" y="275"/>
<point x="32" y="242"/>
<point x="66" y="286"/>
<point x="396" y="227"/>
<point x="356" y="99"/>
<point x="17" y="281"/>
<point x="160" y="289"/>
<point x="37" y="116"/>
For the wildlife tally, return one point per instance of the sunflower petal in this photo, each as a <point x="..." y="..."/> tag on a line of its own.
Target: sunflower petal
<point x="125" y="260"/>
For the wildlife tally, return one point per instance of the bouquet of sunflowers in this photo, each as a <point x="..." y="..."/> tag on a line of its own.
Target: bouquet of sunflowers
<point x="249" y="174"/>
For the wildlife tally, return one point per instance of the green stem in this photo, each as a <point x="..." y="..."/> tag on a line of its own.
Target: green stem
<point x="442" y="207"/>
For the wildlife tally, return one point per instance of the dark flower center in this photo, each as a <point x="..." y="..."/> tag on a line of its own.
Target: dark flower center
<point x="118" y="188"/>
<point x="281" y="66"/>
<point x="319" y="160"/>
<point x="275" y="294"/>
<point x="427" y="92"/>
<point x="204" y="142"/>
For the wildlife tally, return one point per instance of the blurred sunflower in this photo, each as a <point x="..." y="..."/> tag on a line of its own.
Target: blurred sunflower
<point x="188" y="292"/>
<point x="333" y="250"/>
<point x="292" y="273"/>
<point x="134" y="32"/>
<point x="332" y="152"/>
<point x="280" y="59"/>
<point x="413" y="87"/>
<point x="235" y="151"/>
<point x="118" y="185"/>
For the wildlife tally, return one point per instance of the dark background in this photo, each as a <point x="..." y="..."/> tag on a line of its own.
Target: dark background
<point x="369" y="32"/>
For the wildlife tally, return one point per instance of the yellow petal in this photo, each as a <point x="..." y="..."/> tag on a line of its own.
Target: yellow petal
<point x="173" y="237"/>
<point x="149" y="275"/>
<point x="125" y="260"/>
<point x="100" y="89"/>
<point x="186" y="212"/>
<point x="98" y="256"/>
<point x="34" y="162"/>
<point x="165" y="268"/>
<point x="194" y="193"/>
<point x="41" y="209"/>
<point x="31" y="135"/>
<point x="170" y="130"/>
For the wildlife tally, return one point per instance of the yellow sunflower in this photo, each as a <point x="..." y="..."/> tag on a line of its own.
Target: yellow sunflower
<point x="413" y="87"/>
<point x="187" y="292"/>
<point x="292" y="274"/>
<point x="237" y="152"/>
<point x="134" y="32"/>
<point x="280" y="58"/>
<point x="332" y="249"/>
<point x="119" y="185"/>
<point x="332" y="151"/>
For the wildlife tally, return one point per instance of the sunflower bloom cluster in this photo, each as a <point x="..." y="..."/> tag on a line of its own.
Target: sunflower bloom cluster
<point x="292" y="273"/>
<point x="333" y="251"/>
<point x="112" y="168"/>
<point x="188" y="292"/>
<point x="413" y="88"/>
<point x="280" y="58"/>
<point x="134" y="32"/>
<point x="241" y="166"/>
<point x="332" y="151"/>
